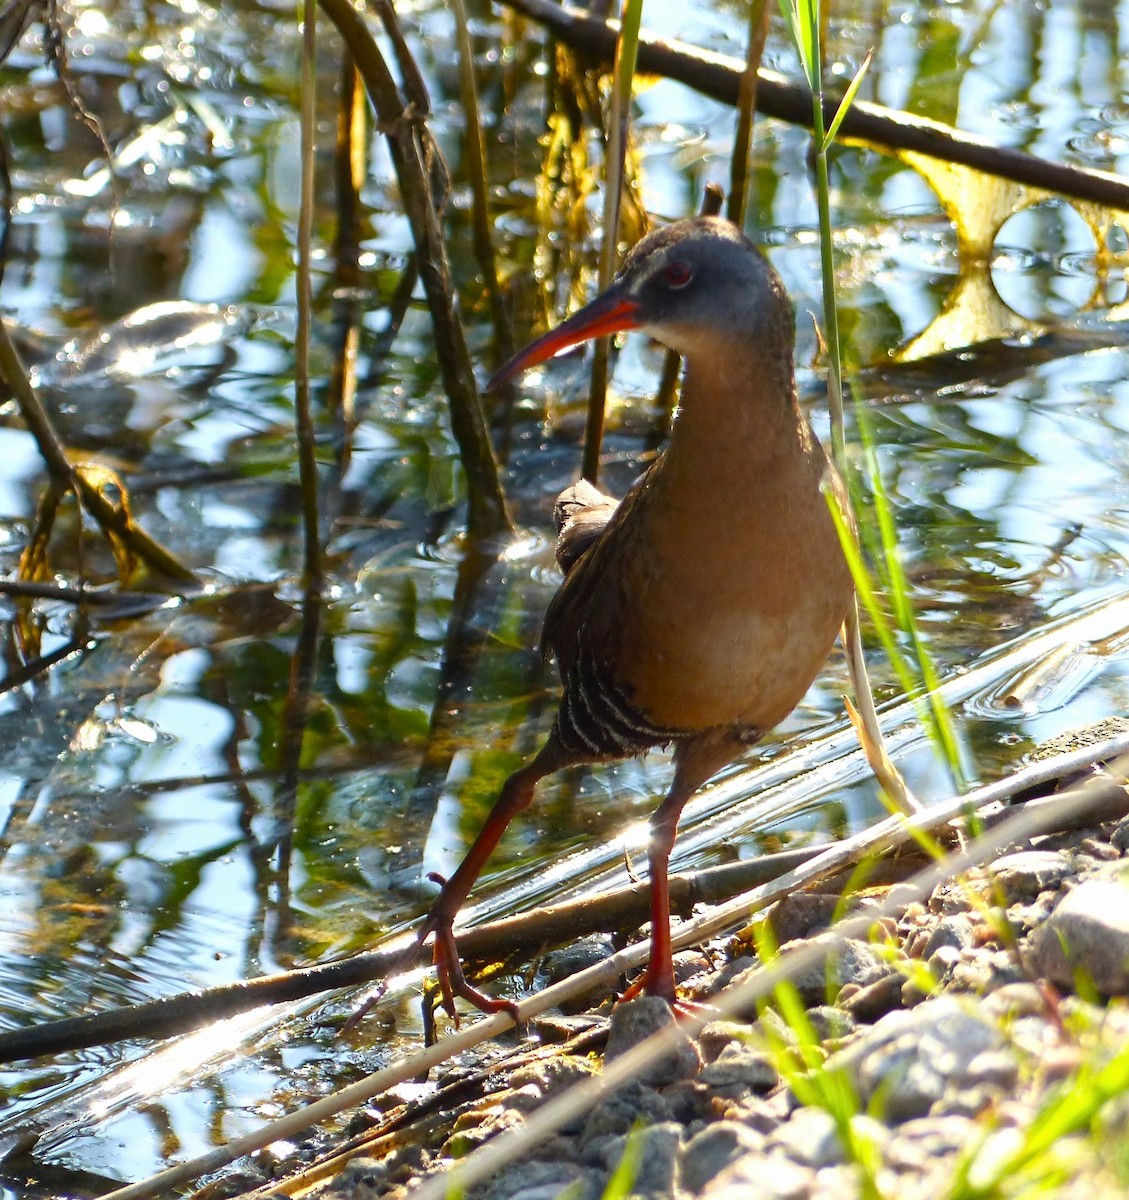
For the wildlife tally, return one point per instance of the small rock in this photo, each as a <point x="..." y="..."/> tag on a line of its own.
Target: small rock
<point x="574" y="958"/>
<point x="656" y="1155"/>
<point x="1120" y="836"/>
<point x="1097" y="849"/>
<point x="474" y="1128"/>
<point x="876" y="999"/>
<point x="999" y="1148"/>
<point x="950" y="898"/>
<point x="840" y="1182"/>
<point x="965" y="1101"/>
<point x="765" y="1114"/>
<point x="717" y="1035"/>
<point x="767" y="1177"/>
<point x="854" y="962"/>
<point x="552" y="1075"/>
<point x="829" y="1022"/>
<point x="709" y="1152"/>
<point x="553" y="1027"/>
<point x="362" y="1178"/>
<point x="809" y="1137"/>
<point x="995" y="1069"/>
<point x="690" y="1102"/>
<point x="802" y="913"/>
<point x="984" y="971"/>
<point x="925" y="1139"/>
<point x="1086" y="936"/>
<point x="534" y="1083"/>
<point x="1016" y="1000"/>
<point x="909" y="1058"/>
<point x="636" y="1021"/>
<point x="738" y="1071"/>
<point x="1022" y="876"/>
<point x="542" y="1181"/>
<point x="618" y="1113"/>
<point x="955" y="931"/>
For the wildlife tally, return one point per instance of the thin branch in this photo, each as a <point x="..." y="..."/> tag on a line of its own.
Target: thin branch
<point x="111" y="518"/>
<point x="719" y="76"/>
<point x="419" y="169"/>
<point x="620" y="909"/>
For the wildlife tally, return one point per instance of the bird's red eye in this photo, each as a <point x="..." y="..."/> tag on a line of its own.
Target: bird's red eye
<point x="678" y="274"/>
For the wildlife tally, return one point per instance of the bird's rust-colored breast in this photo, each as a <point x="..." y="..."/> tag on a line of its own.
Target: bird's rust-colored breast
<point x="715" y="594"/>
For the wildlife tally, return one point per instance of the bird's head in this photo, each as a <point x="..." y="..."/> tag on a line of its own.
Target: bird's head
<point x="692" y="285"/>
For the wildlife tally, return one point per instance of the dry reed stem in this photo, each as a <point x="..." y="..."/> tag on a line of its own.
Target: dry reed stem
<point x="541" y="1124"/>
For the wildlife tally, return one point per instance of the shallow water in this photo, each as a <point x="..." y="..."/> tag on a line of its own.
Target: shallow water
<point x="151" y="840"/>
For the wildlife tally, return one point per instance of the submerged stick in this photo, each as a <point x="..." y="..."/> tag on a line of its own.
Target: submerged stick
<point x="621" y="908"/>
<point x="113" y="520"/>
<point x="420" y="173"/>
<point x="804" y="955"/>
<point x="719" y="76"/>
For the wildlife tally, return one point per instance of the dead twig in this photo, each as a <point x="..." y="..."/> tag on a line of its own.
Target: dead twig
<point x="621" y="909"/>
<point x="421" y="174"/>
<point x="113" y="519"/>
<point x="719" y="76"/>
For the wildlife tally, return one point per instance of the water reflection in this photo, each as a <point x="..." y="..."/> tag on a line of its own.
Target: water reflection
<point x="156" y="838"/>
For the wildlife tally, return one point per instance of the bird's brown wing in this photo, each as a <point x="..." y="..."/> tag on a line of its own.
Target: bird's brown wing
<point x="598" y="718"/>
<point x="580" y="514"/>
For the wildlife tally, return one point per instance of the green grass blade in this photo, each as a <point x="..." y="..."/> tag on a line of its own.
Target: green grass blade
<point x="848" y="99"/>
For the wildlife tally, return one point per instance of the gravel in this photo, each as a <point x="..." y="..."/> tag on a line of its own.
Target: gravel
<point x="938" y="1046"/>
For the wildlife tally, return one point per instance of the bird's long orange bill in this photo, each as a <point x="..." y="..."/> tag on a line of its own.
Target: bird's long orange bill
<point x="608" y="313"/>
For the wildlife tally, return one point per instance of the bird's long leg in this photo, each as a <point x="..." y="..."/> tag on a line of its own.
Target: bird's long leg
<point x="516" y="795"/>
<point x="695" y="761"/>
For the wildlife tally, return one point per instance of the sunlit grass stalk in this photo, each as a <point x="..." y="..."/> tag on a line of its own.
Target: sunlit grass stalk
<point x="804" y="23"/>
<point x="937" y="717"/>
<point x="307" y="450"/>
<point x="803" y="1066"/>
<point x="623" y="77"/>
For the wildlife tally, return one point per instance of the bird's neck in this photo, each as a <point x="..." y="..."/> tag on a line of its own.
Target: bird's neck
<point x="739" y="419"/>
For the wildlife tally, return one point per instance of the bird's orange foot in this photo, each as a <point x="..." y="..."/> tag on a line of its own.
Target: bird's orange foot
<point x="652" y="983"/>
<point x="452" y="982"/>
<point x="664" y="987"/>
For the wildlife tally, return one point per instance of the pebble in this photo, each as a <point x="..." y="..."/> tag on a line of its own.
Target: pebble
<point x="717" y="1035"/>
<point x="571" y="960"/>
<point x="618" y="1113"/>
<point x="908" y="1059"/>
<point x="1022" y="876"/>
<point x="1119" y="839"/>
<point x="810" y="1137"/>
<point x="766" y="1177"/>
<point x="738" y="1071"/>
<point x="853" y="963"/>
<point x="801" y="914"/>
<point x="654" y="1150"/>
<point x="876" y="999"/>
<point x="935" y="1071"/>
<point x="638" y="1020"/>
<point x="1086" y="938"/>
<point x="543" y="1181"/>
<point x="954" y="932"/>
<point x="712" y="1149"/>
